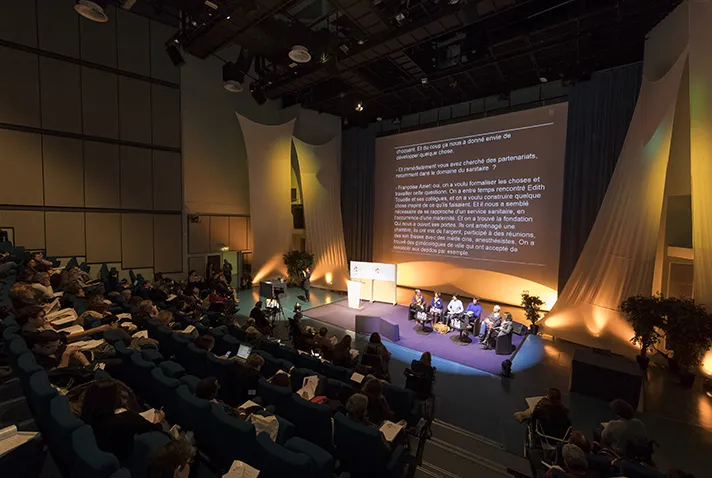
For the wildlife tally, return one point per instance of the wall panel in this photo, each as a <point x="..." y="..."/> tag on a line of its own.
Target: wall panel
<point x="98" y="40"/>
<point x="100" y="103"/>
<point x="134" y="110"/>
<point x="18" y="22"/>
<point x="136" y="178"/>
<point x="161" y="66"/>
<point x="102" y="175"/>
<point x="58" y="27"/>
<point x="165" y="115"/>
<point x="65" y="234"/>
<point x="197" y="264"/>
<point x="168" y="243"/>
<point x="167" y="181"/>
<point x="219" y="233"/>
<point x="22" y="105"/>
<point x="21" y="168"/>
<point x="61" y="95"/>
<point x="136" y="241"/>
<point x="103" y="233"/>
<point x="133" y="47"/>
<point x="238" y="233"/>
<point x="199" y="236"/>
<point x="29" y="227"/>
<point x="63" y="171"/>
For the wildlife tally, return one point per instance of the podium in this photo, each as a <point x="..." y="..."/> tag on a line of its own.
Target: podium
<point x="378" y="279"/>
<point x="354" y="291"/>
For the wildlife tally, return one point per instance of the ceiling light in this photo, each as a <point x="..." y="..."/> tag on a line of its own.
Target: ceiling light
<point x="174" y="54"/>
<point x="378" y="118"/>
<point x="543" y="79"/>
<point x="396" y="121"/>
<point x="424" y="81"/>
<point x="400" y="17"/>
<point x="300" y="54"/>
<point x="361" y="41"/>
<point x="228" y="17"/>
<point x="453" y="2"/>
<point x="359" y="107"/>
<point x="92" y="10"/>
<point x="232" y="77"/>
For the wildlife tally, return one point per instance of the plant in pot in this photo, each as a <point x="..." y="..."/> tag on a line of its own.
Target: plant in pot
<point x="647" y="317"/>
<point x="689" y="336"/>
<point x="532" y="309"/>
<point x="297" y="262"/>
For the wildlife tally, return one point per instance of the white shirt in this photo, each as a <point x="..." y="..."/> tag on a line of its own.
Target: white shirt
<point x="455" y="306"/>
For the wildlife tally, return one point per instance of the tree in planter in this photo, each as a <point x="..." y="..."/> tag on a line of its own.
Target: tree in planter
<point x="297" y="262"/>
<point x="647" y="317"/>
<point x="532" y="309"/>
<point x="688" y="335"/>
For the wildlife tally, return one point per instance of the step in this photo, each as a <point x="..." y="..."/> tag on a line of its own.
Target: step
<point x="449" y="461"/>
<point x="485" y="448"/>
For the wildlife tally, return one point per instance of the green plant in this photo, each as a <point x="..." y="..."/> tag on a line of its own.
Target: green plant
<point x="688" y="332"/>
<point x="647" y="317"/>
<point x="532" y="306"/>
<point x="297" y="262"/>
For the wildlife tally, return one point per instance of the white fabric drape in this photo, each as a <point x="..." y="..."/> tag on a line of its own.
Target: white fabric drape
<point x="618" y="259"/>
<point x="269" y="150"/>
<point x="321" y="194"/>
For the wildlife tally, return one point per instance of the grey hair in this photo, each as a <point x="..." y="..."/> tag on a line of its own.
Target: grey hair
<point x="574" y="457"/>
<point x="357" y="404"/>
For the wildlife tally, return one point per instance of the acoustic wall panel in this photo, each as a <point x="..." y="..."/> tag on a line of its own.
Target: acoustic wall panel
<point x="100" y="103"/>
<point x="102" y="175"/>
<point x="133" y="43"/>
<point x="199" y="236"/>
<point x="165" y="116"/>
<point x="18" y="22"/>
<point x="103" y="237"/>
<point x="219" y="233"/>
<point x="161" y="66"/>
<point x="238" y="233"/>
<point x="61" y="95"/>
<point x="63" y="171"/>
<point x="65" y="234"/>
<point x="134" y="110"/>
<point x="197" y="264"/>
<point x="20" y="168"/>
<point x="58" y="26"/>
<point x="136" y="241"/>
<point x="136" y="178"/>
<point x="167" y="181"/>
<point x="98" y="40"/>
<point x="168" y="242"/>
<point x="20" y="84"/>
<point x="29" y="227"/>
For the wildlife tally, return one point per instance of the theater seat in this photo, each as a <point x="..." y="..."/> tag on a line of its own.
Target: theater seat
<point x="225" y="371"/>
<point x="322" y="461"/>
<point x="228" y="439"/>
<point x="276" y="461"/>
<point x="172" y="369"/>
<point x="41" y="394"/>
<point x="87" y="460"/>
<point x="308" y="362"/>
<point x="165" y="389"/>
<point x="166" y="345"/>
<point x="298" y="375"/>
<point x="402" y="401"/>
<point x="312" y="421"/>
<point x="140" y="376"/>
<point x="191" y="381"/>
<point x="144" y="445"/>
<point x="279" y="397"/>
<point x="26" y="367"/>
<point x="152" y="355"/>
<point x="192" y="411"/>
<point x="62" y="423"/>
<point x="337" y="373"/>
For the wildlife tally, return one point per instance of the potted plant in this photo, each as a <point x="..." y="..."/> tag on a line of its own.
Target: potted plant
<point x="297" y="262"/>
<point x="532" y="308"/>
<point x="689" y="336"/>
<point x="647" y="317"/>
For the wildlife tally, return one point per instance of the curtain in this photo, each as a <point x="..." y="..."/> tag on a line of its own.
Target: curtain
<point x="357" y="176"/>
<point x="321" y="194"/>
<point x="600" y="111"/>
<point x="269" y="153"/>
<point x="618" y="259"/>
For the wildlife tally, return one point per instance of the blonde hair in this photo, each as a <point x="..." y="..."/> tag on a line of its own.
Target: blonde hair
<point x="165" y="317"/>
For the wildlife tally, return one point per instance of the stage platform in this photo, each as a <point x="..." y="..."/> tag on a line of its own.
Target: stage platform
<point x="443" y="346"/>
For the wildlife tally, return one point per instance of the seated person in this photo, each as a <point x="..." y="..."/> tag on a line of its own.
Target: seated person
<point x="505" y="327"/>
<point x="24" y="295"/>
<point x="7" y="266"/>
<point x="625" y="435"/>
<point x="281" y="380"/>
<point x="40" y="282"/>
<point x="323" y="343"/>
<point x="378" y="409"/>
<point x="250" y="375"/>
<point x="474" y="311"/>
<point x="32" y="320"/>
<point x="252" y="334"/>
<point x="492" y="320"/>
<point x="215" y="298"/>
<point x="72" y="292"/>
<point x="575" y="462"/>
<point x="454" y="308"/>
<point x="576" y="438"/>
<point x="417" y="304"/>
<point x="357" y="409"/>
<point x="550" y="412"/>
<point x="205" y="342"/>
<point x="52" y="353"/>
<point x="114" y="427"/>
<point x="146" y="310"/>
<point x="96" y="309"/>
<point x="342" y="353"/>
<point x="261" y="322"/>
<point x="172" y="460"/>
<point x="436" y="305"/>
<point x="424" y="366"/>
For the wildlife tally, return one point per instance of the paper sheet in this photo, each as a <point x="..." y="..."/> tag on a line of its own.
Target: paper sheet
<point x="308" y="390"/>
<point x="125" y="316"/>
<point x="240" y="469"/>
<point x="64" y="320"/>
<point x="171" y="297"/>
<point x="390" y="430"/>
<point x="357" y="377"/>
<point x="532" y="401"/>
<point x="88" y="344"/>
<point x="354" y="353"/>
<point x="149" y="415"/>
<point x="187" y="330"/>
<point x="142" y="334"/>
<point x="249" y="404"/>
<point x="18" y="439"/>
<point x="74" y="329"/>
<point x="58" y="294"/>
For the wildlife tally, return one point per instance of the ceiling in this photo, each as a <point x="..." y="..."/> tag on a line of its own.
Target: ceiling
<point x="403" y="56"/>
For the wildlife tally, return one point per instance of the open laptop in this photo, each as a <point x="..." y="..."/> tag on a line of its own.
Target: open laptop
<point x="243" y="352"/>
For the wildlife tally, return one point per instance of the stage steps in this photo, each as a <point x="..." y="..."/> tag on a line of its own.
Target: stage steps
<point x="456" y="453"/>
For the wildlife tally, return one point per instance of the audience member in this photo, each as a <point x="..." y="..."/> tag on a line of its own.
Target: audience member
<point x="250" y="375"/>
<point x="172" y="460"/>
<point x="207" y="389"/>
<point x="51" y="353"/>
<point x="575" y="462"/>
<point x="378" y="409"/>
<point x="114" y="426"/>
<point x="626" y="435"/>
<point x="551" y="414"/>
<point x="205" y="342"/>
<point x="342" y="353"/>
<point x="424" y="366"/>
<point x="261" y="322"/>
<point x="376" y="347"/>
<point x="357" y="408"/>
<point x="7" y="266"/>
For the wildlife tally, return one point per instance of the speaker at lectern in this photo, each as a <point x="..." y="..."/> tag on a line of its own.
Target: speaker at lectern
<point x="353" y="288"/>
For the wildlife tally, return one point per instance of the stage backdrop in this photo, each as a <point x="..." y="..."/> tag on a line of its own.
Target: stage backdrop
<point x="269" y="150"/>
<point x="321" y="195"/>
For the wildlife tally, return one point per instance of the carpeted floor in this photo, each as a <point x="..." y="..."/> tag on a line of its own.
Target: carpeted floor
<point x="442" y="346"/>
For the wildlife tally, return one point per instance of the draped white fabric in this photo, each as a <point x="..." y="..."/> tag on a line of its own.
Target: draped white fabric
<point x="618" y="259"/>
<point x="269" y="150"/>
<point x="321" y="194"/>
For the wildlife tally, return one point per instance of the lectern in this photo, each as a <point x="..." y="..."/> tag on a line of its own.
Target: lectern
<point x="354" y="291"/>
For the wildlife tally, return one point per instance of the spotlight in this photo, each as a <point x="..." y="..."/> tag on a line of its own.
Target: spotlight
<point x="396" y="121"/>
<point x="543" y="79"/>
<point x="300" y="54"/>
<point x="400" y="17"/>
<point x="379" y="119"/>
<point x="174" y="54"/>
<point x="359" y="107"/>
<point x="424" y="81"/>
<point x="232" y="77"/>
<point x="258" y="94"/>
<point x="92" y="10"/>
<point x="453" y="2"/>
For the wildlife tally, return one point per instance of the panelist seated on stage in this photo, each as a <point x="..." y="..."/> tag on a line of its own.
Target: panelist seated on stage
<point x="492" y="320"/>
<point x="417" y="304"/>
<point x="474" y="309"/>
<point x="437" y="302"/>
<point x="454" y="308"/>
<point x="505" y="327"/>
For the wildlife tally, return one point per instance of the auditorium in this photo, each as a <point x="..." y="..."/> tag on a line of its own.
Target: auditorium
<point x="355" y="238"/>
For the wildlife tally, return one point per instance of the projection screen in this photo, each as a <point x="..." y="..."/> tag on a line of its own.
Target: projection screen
<point x="474" y="207"/>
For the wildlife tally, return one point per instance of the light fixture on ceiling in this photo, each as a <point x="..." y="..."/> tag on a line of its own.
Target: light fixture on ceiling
<point x="227" y="17"/>
<point x="300" y="54"/>
<point x="258" y="93"/>
<point x="92" y="10"/>
<point x="379" y="119"/>
<point x="359" y="107"/>
<point x="361" y="41"/>
<point x="453" y="2"/>
<point x="400" y="17"/>
<point x="174" y="53"/>
<point x="543" y="79"/>
<point x="396" y="121"/>
<point x="232" y="77"/>
<point x="424" y="80"/>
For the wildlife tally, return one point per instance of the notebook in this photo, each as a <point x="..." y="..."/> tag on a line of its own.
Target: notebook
<point x="390" y="430"/>
<point x="74" y="329"/>
<point x="149" y="415"/>
<point x="143" y="334"/>
<point x="187" y="330"/>
<point x="240" y="469"/>
<point x="10" y="439"/>
<point x="88" y="344"/>
<point x="171" y="297"/>
<point x="357" y="377"/>
<point x="532" y="401"/>
<point x="308" y="390"/>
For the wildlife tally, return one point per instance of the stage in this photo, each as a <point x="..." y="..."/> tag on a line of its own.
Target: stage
<point x="443" y="346"/>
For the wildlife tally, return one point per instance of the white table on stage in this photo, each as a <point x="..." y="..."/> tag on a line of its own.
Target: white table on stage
<point x="354" y="291"/>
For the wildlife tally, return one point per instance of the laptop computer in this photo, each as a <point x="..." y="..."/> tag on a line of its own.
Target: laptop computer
<point x="243" y="352"/>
